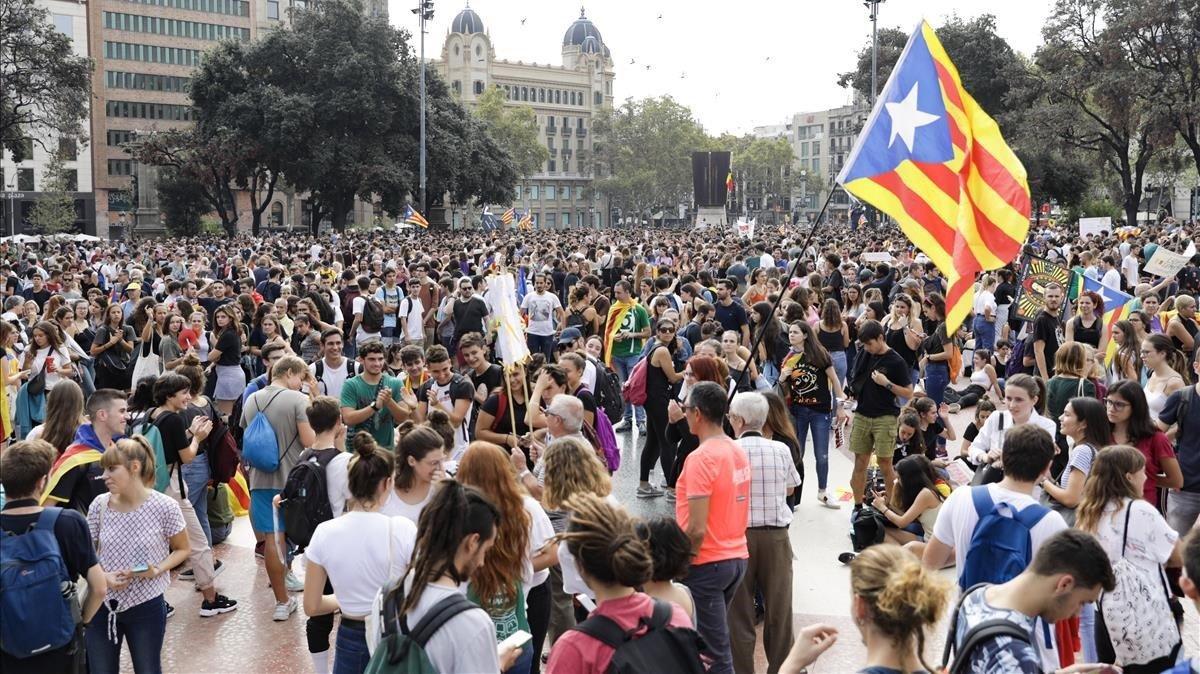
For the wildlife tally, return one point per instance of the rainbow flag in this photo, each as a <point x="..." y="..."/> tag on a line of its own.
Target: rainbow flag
<point x="412" y="217"/>
<point x="1117" y="306"/>
<point x="931" y="158"/>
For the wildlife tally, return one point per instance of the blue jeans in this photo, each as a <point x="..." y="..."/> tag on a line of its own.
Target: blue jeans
<point x="543" y="344"/>
<point x="713" y="586"/>
<point x="985" y="338"/>
<point x="1087" y="632"/>
<point x="807" y="419"/>
<point x="937" y="378"/>
<point x="351" y="656"/>
<point x="839" y="367"/>
<point x="524" y="663"/>
<point x="143" y="626"/>
<point x="195" y="477"/>
<point x="624" y="365"/>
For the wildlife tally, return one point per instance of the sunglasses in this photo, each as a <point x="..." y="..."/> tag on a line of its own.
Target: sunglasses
<point x="666" y="328"/>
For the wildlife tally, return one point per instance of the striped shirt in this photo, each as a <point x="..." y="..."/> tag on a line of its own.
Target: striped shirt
<point x="772" y="473"/>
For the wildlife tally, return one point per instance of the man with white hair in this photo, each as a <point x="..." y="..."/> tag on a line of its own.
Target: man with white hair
<point x="773" y="477"/>
<point x="564" y="419"/>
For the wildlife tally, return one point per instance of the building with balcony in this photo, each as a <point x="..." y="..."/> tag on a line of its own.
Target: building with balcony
<point x="565" y="98"/>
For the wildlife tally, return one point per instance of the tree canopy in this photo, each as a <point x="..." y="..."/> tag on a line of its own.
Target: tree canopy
<point x="514" y="128"/>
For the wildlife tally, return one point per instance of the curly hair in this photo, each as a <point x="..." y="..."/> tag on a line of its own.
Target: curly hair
<point x="572" y="467"/>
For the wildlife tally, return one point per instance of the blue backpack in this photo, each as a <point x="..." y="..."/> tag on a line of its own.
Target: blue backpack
<point x="260" y="449"/>
<point x="35" y="616"/>
<point x="1001" y="545"/>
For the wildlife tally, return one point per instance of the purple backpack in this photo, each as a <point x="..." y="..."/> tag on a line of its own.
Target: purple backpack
<point x="604" y="438"/>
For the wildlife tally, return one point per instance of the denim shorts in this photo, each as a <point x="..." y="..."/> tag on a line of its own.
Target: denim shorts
<point x="262" y="516"/>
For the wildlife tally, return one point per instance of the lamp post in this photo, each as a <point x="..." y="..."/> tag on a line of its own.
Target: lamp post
<point x="873" y="7"/>
<point x="424" y="12"/>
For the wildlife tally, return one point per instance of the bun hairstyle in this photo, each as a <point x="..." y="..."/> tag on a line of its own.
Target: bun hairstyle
<point x="605" y="543"/>
<point x="191" y="368"/>
<point x="128" y="450"/>
<point x="439" y="421"/>
<point x="369" y="466"/>
<point x="902" y="596"/>
<point x="416" y="442"/>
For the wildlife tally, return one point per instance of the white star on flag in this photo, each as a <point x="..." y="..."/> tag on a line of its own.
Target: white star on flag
<point x="907" y="118"/>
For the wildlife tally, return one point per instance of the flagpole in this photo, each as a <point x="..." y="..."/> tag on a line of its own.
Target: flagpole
<point x="784" y="285"/>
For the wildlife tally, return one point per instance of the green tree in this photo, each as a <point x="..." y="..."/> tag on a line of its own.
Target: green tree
<point x="764" y="168"/>
<point x="183" y="203"/>
<point x="206" y="162"/>
<point x="642" y="154"/>
<point x="1055" y="175"/>
<point x="44" y="88"/>
<point x="514" y="128"/>
<point x="54" y="210"/>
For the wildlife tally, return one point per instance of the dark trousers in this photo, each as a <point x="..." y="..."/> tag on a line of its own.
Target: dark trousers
<point x="543" y="344"/>
<point x="656" y="440"/>
<point x="537" y="608"/>
<point x="319" y="627"/>
<point x="562" y="606"/>
<point x="143" y="626"/>
<point x="769" y="572"/>
<point x="713" y="586"/>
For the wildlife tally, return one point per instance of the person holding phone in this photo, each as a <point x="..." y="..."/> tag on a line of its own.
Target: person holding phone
<point x="48" y="355"/>
<point x="139" y="535"/>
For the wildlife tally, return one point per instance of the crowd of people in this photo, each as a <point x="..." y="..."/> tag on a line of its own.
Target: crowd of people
<point x="463" y="509"/>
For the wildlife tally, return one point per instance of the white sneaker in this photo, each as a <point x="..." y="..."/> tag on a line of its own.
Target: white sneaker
<point x="285" y="610"/>
<point x="293" y="583"/>
<point x="621" y="425"/>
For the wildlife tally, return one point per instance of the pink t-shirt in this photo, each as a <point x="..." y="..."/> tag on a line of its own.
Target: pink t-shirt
<point x="718" y="469"/>
<point x="578" y="653"/>
<point x="1155" y="448"/>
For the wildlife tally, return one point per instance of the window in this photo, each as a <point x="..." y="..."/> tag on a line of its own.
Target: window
<point x="533" y="192"/>
<point x="566" y="220"/>
<point x="65" y="24"/>
<point x="117" y="138"/>
<point x="72" y="178"/>
<point x="272" y="9"/>
<point x="596" y="98"/>
<point x="551" y="168"/>
<point x="816" y="148"/>
<point x="137" y="23"/>
<point x="550" y="191"/>
<point x="803" y="149"/>
<point x="151" y="54"/>
<point x="456" y="86"/>
<point x="524" y="93"/>
<point x="27" y="148"/>
<point x="816" y="165"/>
<point x="566" y="193"/>
<point x="25" y="179"/>
<point x="478" y="87"/>
<point x="478" y="50"/>
<point x="67" y="149"/>
<point x="120" y="167"/>
<point x="136" y="110"/>
<point x="541" y="95"/>
<point x="558" y="96"/>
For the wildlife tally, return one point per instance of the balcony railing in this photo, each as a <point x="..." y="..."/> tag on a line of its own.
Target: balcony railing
<point x="566" y="130"/>
<point x="581" y="132"/>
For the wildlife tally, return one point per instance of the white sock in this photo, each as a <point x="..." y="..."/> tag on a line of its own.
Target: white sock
<point x="320" y="662"/>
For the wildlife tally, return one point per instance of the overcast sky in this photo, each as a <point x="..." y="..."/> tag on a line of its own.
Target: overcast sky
<point x="737" y="64"/>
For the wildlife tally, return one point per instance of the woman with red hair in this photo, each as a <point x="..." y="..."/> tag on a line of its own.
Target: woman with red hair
<point x="680" y="441"/>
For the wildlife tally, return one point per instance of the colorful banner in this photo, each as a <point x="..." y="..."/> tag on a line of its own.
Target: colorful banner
<point x="1036" y="274"/>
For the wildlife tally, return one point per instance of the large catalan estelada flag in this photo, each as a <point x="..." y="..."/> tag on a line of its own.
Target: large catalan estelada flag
<point x="507" y="216"/>
<point x="931" y="158"/>
<point x="412" y="217"/>
<point x="526" y="221"/>
<point x="1117" y="307"/>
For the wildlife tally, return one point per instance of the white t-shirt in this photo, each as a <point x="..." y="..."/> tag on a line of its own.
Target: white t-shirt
<point x="466" y="643"/>
<point x="985" y="299"/>
<point x="589" y="375"/>
<point x="541" y="308"/>
<point x="573" y="583"/>
<point x="957" y="519"/>
<point x="1129" y="267"/>
<point x="337" y="482"/>
<point x="332" y="377"/>
<point x="349" y="550"/>
<point x="357" y="306"/>
<point x="395" y="506"/>
<point x="389" y="297"/>
<point x="540" y="531"/>
<point x="1151" y="540"/>
<point x="1112" y="279"/>
<point x="413" y="312"/>
<point x="991" y="436"/>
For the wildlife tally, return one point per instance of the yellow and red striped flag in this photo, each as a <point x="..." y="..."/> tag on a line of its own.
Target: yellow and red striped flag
<point x="413" y="217"/>
<point x="931" y="158"/>
<point x="526" y="221"/>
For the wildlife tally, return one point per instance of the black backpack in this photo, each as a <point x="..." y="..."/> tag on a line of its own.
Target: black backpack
<point x="662" y="648"/>
<point x="372" y="315"/>
<point x="866" y="528"/>
<point x="976" y="636"/>
<point x="320" y="373"/>
<point x="608" y="390"/>
<point x="304" y="502"/>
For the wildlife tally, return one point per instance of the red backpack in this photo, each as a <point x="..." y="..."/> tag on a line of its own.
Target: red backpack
<point x="634" y="389"/>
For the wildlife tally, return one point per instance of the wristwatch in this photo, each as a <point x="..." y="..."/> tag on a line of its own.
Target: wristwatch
<point x="375" y="405"/>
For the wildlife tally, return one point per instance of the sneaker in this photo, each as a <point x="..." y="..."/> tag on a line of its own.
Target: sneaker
<point x="955" y="408"/>
<point x="285" y="610"/>
<point x="170" y="610"/>
<point x="649" y="492"/>
<point x="220" y="604"/>
<point x="259" y="549"/>
<point x="190" y="575"/>
<point x="293" y="583"/>
<point x="622" y="426"/>
<point x="823" y="499"/>
<point x="670" y="494"/>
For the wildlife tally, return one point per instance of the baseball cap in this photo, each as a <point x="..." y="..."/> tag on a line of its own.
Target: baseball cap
<point x="569" y="336"/>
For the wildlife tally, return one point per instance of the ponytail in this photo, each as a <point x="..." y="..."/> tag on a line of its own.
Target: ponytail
<point x="453" y="514"/>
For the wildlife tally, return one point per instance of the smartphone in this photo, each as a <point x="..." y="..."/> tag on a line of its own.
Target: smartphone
<point x="586" y="602"/>
<point x="49" y="362"/>
<point x="140" y="568"/>
<point x="515" y="640"/>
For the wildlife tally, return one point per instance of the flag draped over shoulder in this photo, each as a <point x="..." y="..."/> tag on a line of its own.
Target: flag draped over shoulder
<point x="1117" y="307"/>
<point x="931" y="158"/>
<point x="616" y="314"/>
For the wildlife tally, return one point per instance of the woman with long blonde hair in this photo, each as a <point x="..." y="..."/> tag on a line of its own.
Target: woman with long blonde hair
<point x="517" y="561"/>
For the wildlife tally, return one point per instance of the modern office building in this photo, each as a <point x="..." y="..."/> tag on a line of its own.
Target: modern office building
<point x="23" y="183"/>
<point x="565" y="98"/>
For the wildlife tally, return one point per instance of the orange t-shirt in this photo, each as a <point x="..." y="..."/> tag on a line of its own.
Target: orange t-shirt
<point x="718" y="469"/>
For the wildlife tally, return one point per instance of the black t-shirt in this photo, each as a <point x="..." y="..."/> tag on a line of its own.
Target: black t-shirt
<point x="1045" y="327"/>
<point x="874" y="400"/>
<point x="1187" y="448"/>
<point x="468" y="316"/>
<point x="71" y="531"/>
<point x="230" y="346"/>
<point x="731" y="317"/>
<point x="173" y="430"/>
<point x="587" y="398"/>
<point x="211" y="304"/>
<point x="503" y="423"/>
<point x="13" y="285"/>
<point x="1005" y="293"/>
<point x="41" y="297"/>
<point x="492" y="378"/>
<point x="809" y="387"/>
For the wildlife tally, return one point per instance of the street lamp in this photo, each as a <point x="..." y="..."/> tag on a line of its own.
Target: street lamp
<point x="873" y="7"/>
<point x="424" y="12"/>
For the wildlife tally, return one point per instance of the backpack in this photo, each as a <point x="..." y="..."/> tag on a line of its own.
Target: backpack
<point x="976" y="636"/>
<point x="608" y="390"/>
<point x="304" y="501"/>
<point x="146" y="427"/>
<point x="35" y="616"/>
<point x="661" y="648"/>
<point x="260" y="449"/>
<point x="223" y="454"/>
<point x="634" y="389"/>
<point x="575" y="319"/>
<point x="1016" y="359"/>
<point x="402" y="650"/>
<point x="320" y="373"/>
<point x="1001" y="545"/>
<point x="866" y="528"/>
<point x="605" y="440"/>
<point x="372" y="315"/>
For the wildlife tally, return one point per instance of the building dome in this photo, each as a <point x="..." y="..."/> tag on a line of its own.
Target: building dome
<point x="591" y="45"/>
<point x="581" y="30"/>
<point x="467" y="22"/>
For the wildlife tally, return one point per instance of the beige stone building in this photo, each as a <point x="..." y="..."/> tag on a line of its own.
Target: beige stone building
<point x="564" y="97"/>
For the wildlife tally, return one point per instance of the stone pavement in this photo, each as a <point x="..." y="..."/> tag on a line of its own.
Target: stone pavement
<point x="248" y="640"/>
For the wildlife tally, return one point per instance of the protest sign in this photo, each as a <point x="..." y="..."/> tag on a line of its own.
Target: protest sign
<point x="1165" y="263"/>
<point x="1036" y="274"/>
<point x="1094" y="226"/>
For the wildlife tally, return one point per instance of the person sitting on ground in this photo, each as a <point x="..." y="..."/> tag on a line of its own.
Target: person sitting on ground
<point x="910" y="515"/>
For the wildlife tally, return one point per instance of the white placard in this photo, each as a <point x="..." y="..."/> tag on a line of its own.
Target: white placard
<point x="1094" y="226"/>
<point x="1165" y="263"/>
<point x="881" y="256"/>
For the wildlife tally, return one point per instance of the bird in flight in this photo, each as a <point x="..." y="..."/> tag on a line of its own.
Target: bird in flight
<point x="660" y="16"/>
<point x="768" y="59"/>
<point x="683" y="76"/>
<point x="523" y="21"/>
<point x="632" y="61"/>
<point x="647" y="66"/>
